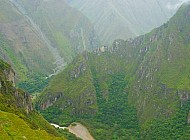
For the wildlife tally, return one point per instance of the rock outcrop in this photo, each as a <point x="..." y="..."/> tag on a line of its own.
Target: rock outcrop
<point x="155" y="65"/>
<point x="17" y="115"/>
<point x="19" y="98"/>
<point x="188" y="118"/>
<point x="75" y="98"/>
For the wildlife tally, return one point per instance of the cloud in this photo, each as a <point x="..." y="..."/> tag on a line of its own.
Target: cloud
<point x="176" y="5"/>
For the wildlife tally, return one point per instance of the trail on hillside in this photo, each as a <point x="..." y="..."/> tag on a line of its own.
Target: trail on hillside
<point x="59" y="61"/>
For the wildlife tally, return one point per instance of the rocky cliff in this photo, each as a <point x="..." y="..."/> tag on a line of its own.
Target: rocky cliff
<point x="148" y="76"/>
<point x="53" y="31"/>
<point x="69" y="97"/>
<point x="160" y="71"/>
<point x="18" y="118"/>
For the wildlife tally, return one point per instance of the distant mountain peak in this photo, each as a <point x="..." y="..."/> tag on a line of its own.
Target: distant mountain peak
<point x="176" y="5"/>
<point x="124" y="18"/>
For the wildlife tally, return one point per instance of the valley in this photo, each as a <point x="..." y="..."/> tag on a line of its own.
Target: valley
<point x="59" y="61"/>
<point x="97" y="70"/>
<point x="120" y="92"/>
<point x="53" y="46"/>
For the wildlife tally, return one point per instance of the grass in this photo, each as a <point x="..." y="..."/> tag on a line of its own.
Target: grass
<point x="13" y="127"/>
<point x="17" y="118"/>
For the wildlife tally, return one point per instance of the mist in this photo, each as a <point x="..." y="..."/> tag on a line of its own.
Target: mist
<point x="176" y="5"/>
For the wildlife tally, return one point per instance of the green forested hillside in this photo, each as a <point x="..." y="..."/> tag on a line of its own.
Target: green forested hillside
<point x="164" y="70"/>
<point x="38" y="38"/>
<point x="18" y="118"/>
<point x="139" y="87"/>
<point x="176" y="127"/>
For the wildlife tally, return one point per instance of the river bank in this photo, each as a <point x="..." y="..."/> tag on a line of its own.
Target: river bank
<point x="78" y="129"/>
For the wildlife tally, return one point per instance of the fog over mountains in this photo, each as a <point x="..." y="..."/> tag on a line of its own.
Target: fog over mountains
<point x="137" y="89"/>
<point x="51" y="30"/>
<point x="126" y="18"/>
<point x="176" y="5"/>
<point x="100" y="69"/>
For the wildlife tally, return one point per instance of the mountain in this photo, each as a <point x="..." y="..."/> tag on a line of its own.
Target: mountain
<point x="69" y="31"/>
<point x="19" y="41"/>
<point x="24" y="31"/>
<point x="136" y="89"/>
<point x="18" y="118"/>
<point x="125" y="19"/>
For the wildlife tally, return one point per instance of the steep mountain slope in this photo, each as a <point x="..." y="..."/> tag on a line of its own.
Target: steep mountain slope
<point x="53" y="31"/>
<point x="67" y="29"/>
<point x="129" y="89"/>
<point x="75" y="77"/>
<point x="92" y="94"/>
<point x="19" y="41"/>
<point x="164" y="70"/>
<point x="124" y="18"/>
<point x="18" y="118"/>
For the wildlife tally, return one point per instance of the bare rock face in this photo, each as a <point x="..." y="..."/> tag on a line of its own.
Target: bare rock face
<point x="19" y="98"/>
<point x="74" y="92"/>
<point x="23" y="100"/>
<point x="10" y="75"/>
<point x="78" y="70"/>
<point x="188" y="118"/>
<point x="184" y="96"/>
<point x="51" y="100"/>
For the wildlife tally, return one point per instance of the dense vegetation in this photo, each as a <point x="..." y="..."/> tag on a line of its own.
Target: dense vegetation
<point x="136" y="89"/>
<point x="176" y="127"/>
<point x="35" y="83"/>
<point x="116" y="119"/>
<point x="18" y="119"/>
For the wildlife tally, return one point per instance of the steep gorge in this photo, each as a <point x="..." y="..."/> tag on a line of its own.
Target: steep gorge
<point x="146" y="79"/>
<point x="25" y="31"/>
<point x="19" y="41"/>
<point x="59" y="61"/>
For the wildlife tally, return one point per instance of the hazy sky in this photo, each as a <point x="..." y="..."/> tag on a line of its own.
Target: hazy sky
<point x="176" y="5"/>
